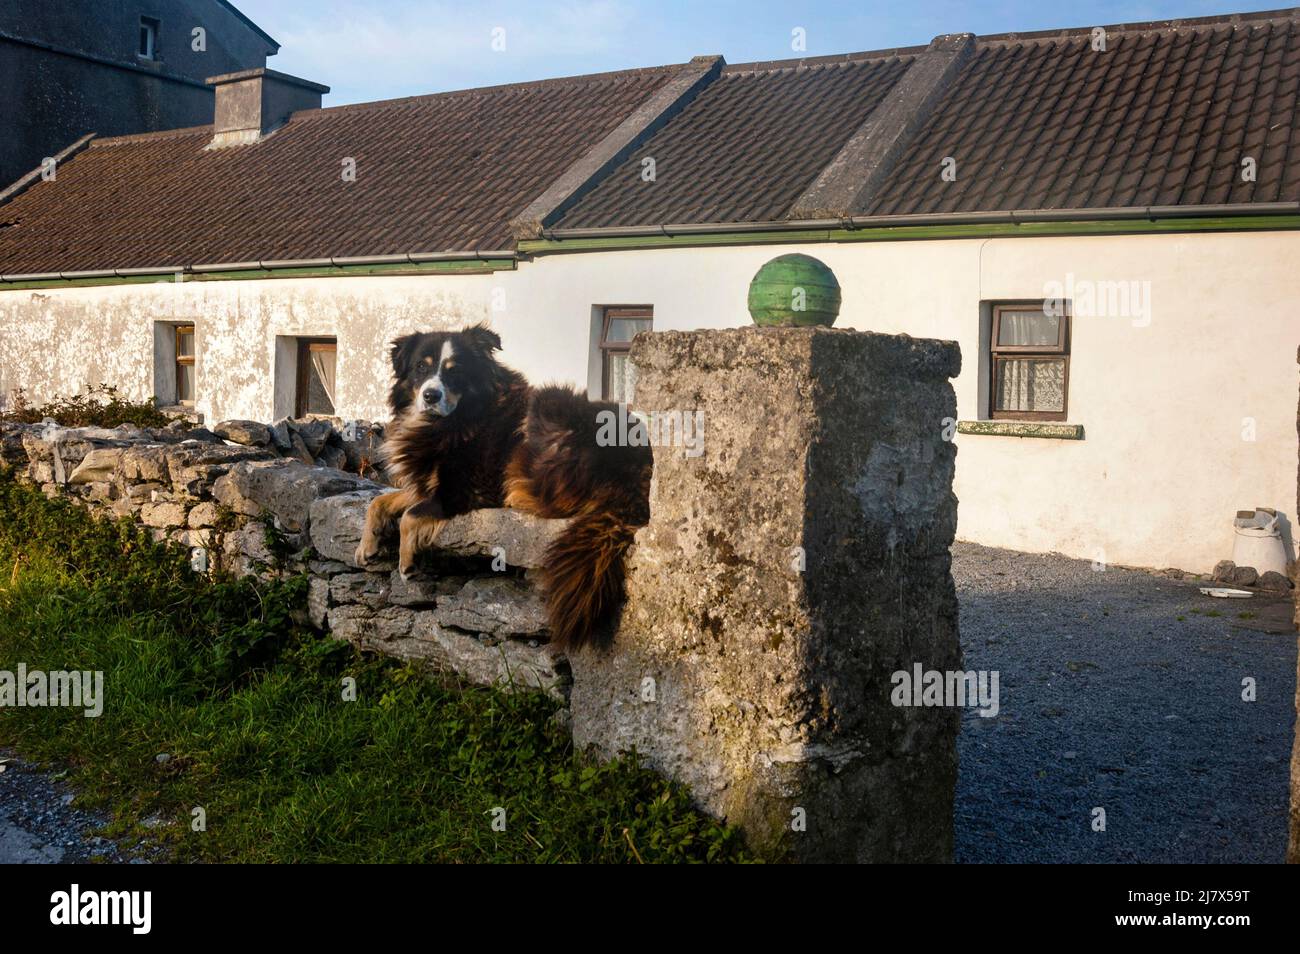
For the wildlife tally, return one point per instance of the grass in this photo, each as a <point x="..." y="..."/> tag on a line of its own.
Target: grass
<point x="250" y="707"/>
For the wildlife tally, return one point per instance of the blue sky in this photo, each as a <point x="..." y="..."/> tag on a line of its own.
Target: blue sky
<point x="380" y="49"/>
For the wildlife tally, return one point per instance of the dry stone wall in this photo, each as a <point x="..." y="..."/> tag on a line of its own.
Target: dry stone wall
<point x="241" y="504"/>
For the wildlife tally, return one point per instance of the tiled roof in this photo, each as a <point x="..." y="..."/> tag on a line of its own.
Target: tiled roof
<point x="747" y="146"/>
<point x="1162" y="117"/>
<point x="434" y="173"/>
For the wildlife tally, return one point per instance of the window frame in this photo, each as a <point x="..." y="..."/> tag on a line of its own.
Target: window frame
<point x="305" y="347"/>
<point x="154" y="27"/>
<point x="609" y="314"/>
<point x="1060" y="350"/>
<point x="186" y="360"/>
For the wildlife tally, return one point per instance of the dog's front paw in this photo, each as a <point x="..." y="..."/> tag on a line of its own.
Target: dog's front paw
<point x="410" y="572"/>
<point x="366" y="551"/>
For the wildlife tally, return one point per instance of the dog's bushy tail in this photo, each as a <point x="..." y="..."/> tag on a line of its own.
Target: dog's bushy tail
<point x="583" y="576"/>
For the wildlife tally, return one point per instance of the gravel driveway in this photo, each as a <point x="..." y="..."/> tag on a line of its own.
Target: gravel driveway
<point x="38" y="823"/>
<point x="1121" y="690"/>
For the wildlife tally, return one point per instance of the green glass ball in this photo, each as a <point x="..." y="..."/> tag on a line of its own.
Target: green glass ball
<point x="794" y="291"/>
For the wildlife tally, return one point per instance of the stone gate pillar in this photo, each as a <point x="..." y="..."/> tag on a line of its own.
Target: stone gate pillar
<point x="788" y="571"/>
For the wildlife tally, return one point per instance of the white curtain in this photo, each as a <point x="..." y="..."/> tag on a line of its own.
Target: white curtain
<point x="1031" y="385"/>
<point x="1027" y="328"/>
<point x="324" y="362"/>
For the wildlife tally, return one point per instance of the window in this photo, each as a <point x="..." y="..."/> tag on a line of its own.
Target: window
<point x="148" y="38"/>
<point x="175" y="381"/>
<point x="185" y="364"/>
<point x="1029" y="352"/>
<point x="618" y="327"/>
<point x="317" y="359"/>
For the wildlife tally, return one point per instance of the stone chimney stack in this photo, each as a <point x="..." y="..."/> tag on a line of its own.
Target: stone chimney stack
<point x="252" y="103"/>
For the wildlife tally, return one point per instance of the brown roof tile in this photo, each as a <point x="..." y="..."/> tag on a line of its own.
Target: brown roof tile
<point x="747" y="146"/>
<point x="434" y="173"/>
<point x="1163" y="117"/>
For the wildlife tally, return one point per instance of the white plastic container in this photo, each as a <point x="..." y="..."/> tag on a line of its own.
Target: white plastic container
<point x="1258" y="541"/>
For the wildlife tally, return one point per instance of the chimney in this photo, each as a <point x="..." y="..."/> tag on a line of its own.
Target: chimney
<point x="253" y="103"/>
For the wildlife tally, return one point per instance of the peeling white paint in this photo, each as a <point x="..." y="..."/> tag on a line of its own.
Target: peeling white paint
<point x="59" y="341"/>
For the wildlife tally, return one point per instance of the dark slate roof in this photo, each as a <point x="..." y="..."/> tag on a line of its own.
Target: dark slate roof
<point x="747" y="146"/>
<point x="1163" y="117"/>
<point x="249" y="23"/>
<point x="434" y="173"/>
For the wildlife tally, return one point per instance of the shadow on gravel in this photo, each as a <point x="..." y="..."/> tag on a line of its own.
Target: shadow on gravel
<point x="1120" y="690"/>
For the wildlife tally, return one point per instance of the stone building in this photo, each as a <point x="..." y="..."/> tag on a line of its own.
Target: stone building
<point x="112" y="67"/>
<point x="1105" y="220"/>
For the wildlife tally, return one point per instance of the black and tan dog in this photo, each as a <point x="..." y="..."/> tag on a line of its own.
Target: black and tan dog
<point x="468" y="432"/>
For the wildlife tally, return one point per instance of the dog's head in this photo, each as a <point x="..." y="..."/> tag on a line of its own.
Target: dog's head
<point x="438" y="374"/>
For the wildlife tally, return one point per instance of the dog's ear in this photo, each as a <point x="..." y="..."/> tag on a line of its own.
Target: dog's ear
<point x="402" y="354"/>
<point x="482" y="338"/>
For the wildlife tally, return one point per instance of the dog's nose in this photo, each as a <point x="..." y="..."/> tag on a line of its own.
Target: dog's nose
<point x="431" y="396"/>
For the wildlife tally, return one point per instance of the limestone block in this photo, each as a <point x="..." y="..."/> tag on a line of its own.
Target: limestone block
<point x="12" y="450"/>
<point x="369" y="589"/>
<point x="788" y="571"/>
<point x="421" y="591"/>
<point x="164" y="515"/>
<point x="247" y="546"/>
<point x="203" y="515"/>
<point x="97" y="466"/>
<point x="249" y="433"/>
<point x="101" y="491"/>
<point x="332" y="457"/>
<point x="144" y="463"/>
<point x="194" y="467"/>
<point x="520" y="538"/>
<point x="386" y="630"/>
<point x="280" y="436"/>
<point x="285" y="489"/>
<point x="148" y="492"/>
<point x="499" y="606"/>
<point x="318" y="601"/>
<point x="336" y="524"/>
<point x="487" y="662"/>
<point x="314" y="432"/>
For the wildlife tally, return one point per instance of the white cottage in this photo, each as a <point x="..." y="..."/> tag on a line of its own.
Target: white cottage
<point x="1105" y="219"/>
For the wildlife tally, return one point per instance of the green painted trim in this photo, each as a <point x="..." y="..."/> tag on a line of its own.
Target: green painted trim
<point x="83" y="282"/>
<point x="909" y="233"/>
<point x="1060" y="432"/>
<point x="451" y="267"/>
